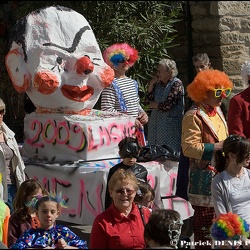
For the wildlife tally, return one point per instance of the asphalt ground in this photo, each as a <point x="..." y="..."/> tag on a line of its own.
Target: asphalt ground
<point x="83" y="231"/>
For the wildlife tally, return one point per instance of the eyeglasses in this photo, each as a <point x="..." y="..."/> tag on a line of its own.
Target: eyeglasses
<point x="222" y="92"/>
<point x="122" y="191"/>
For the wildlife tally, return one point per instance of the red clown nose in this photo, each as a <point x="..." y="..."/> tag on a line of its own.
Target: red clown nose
<point x="223" y="95"/>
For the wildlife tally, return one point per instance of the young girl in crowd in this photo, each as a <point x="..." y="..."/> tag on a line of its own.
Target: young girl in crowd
<point x="230" y="187"/>
<point x="145" y="195"/>
<point x="228" y="231"/>
<point x="49" y="235"/>
<point x="23" y="217"/>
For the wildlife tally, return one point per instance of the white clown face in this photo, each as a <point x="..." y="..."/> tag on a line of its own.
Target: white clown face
<point x="56" y="60"/>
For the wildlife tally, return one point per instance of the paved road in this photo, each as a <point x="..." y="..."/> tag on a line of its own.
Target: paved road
<point x="83" y="231"/>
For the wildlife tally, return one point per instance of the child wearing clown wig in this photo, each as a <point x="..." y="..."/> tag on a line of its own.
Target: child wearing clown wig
<point x="229" y="230"/>
<point x="122" y="96"/>
<point x="49" y="235"/>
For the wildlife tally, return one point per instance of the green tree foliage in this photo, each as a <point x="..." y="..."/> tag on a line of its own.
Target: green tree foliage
<point x="146" y="25"/>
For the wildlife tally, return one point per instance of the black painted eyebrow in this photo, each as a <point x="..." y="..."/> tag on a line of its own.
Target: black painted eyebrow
<point x="75" y="41"/>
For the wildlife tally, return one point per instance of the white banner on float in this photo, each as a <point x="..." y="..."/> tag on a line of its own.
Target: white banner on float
<point x="84" y="186"/>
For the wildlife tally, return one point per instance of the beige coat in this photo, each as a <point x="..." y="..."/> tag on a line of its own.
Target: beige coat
<point x="198" y="138"/>
<point x="16" y="163"/>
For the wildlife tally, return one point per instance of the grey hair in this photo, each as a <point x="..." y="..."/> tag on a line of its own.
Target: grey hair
<point x="2" y="105"/>
<point x="169" y="65"/>
<point x="202" y="57"/>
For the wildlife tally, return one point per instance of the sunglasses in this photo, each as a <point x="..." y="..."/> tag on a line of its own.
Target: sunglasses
<point x="225" y="92"/>
<point x="2" y="112"/>
<point x="122" y="191"/>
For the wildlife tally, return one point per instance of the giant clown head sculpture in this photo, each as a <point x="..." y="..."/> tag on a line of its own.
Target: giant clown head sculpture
<point x="54" y="58"/>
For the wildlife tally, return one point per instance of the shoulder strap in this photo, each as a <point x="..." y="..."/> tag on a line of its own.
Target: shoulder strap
<point x="142" y="214"/>
<point x="120" y="97"/>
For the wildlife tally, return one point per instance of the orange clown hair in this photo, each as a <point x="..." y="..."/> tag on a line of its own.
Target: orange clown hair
<point x="207" y="80"/>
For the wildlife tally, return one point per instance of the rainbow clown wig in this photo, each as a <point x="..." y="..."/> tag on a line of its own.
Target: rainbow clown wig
<point x="120" y="52"/>
<point x="207" y="80"/>
<point x="229" y="226"/>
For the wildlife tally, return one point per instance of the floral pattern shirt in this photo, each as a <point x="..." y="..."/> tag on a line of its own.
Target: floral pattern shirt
<point x="41" y="238"/>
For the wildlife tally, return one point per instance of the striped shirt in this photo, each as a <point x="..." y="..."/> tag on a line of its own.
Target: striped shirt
<point x="110" y="102"/>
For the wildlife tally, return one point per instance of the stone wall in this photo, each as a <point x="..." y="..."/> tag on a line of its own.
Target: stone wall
<point x="219" y="28"/>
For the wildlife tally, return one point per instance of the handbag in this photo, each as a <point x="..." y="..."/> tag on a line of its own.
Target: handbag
<point x="157" y="153"/>
<point x="142" y="214"/>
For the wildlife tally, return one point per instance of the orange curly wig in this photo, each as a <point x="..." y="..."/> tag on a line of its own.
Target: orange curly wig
<point x="207" y="80"/>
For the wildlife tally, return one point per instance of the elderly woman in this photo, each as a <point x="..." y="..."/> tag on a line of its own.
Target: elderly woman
<point x="204" y="130"/>
<point x="201" y="62"/>
<point x="166" y="99"/>
<point x="121" y="226"/>
<point x="11" y="163"/>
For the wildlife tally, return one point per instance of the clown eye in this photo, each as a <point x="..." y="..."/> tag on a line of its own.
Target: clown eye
<point x="58" y="64"/>
<point x="59" y="60"/>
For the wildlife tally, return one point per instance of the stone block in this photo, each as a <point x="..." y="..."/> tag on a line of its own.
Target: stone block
<point x="232" y="37"/>
<point x="231" y="8"/>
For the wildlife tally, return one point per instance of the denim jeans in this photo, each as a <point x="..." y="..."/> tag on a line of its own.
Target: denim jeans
<point x="12" y="189"/>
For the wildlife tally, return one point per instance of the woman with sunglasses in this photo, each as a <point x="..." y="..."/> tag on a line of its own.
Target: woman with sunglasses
<point x="204" y="129"/>
<point x="121" y="226"/>
<point x="231" y="184"/>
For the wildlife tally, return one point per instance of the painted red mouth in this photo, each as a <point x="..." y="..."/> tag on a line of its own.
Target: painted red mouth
<point x="76" y="93"/>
